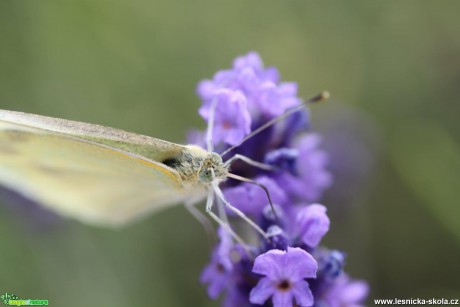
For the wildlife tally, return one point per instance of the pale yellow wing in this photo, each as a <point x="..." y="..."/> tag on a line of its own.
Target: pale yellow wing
<point x="85" y="178"/>
<point x="145" y="146"/>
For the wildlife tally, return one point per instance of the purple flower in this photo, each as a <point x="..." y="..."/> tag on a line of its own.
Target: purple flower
<point x="312" y="176"/>
<point x="251" y="199"/>
<point x="330" y="263"/>
<point x="274" y="99"/>
<point x="251" y="60"/>
<point x="244" y="92"/>
<point x="235" y="297"/>
<point x="283" y="159"/>
<point x="313" y="224"/>
<point x="284" y="281"/>
<point x="346" y="292"/>
<point x="232" y="121"/>
<point x="218" y="273"/>
<point x="333" y="287"/>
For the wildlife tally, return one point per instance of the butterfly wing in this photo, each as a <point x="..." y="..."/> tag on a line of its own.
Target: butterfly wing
<point x="75" y="169"/>
<point x="145" y="146"/>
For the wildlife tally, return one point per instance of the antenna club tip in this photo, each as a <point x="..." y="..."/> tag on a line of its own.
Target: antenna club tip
<point x="325" y="95"/>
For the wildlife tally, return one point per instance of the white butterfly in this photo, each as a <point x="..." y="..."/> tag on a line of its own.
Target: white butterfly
<point x="109" y="177"/>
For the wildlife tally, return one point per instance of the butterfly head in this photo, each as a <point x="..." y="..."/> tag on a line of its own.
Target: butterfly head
<point x="212" y="168"/>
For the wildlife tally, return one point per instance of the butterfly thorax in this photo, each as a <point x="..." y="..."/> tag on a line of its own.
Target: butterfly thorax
<point x="196" y="165"/>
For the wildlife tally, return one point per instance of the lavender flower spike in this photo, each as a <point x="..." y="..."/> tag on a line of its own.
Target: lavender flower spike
<point x="292" y="268"/>
<point x="284" y="281"/>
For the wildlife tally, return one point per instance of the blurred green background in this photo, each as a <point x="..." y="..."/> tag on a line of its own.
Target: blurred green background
<point x="393" y="65"/>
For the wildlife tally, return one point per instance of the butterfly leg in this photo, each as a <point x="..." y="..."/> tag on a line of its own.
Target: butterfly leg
<point x="238" y="212"/>
<point x="221" y="211"/>
<point x="223" y="224"/>
<point x="201" y="218"/>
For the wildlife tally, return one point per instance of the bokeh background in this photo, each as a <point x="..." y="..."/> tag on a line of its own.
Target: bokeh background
<point x="393" y="68"/>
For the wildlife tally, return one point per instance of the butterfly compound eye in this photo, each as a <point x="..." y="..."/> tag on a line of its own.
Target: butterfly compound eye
<point x="206" y="175"/>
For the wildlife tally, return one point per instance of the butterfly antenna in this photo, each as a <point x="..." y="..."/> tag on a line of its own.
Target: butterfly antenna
<point x="236" y="177"/>
<point x="321" y="96"/>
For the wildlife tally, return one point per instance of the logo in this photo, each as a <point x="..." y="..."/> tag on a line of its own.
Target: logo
<point x="10" y="299"/>
<point x="7" y="297"/>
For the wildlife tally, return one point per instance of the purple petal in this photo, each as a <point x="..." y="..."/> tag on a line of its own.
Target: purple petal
<point x="269" y="264"/>
<point x="346" y="292"/>
<point x="262" y="291"/>
<point x="309" y="142"/>
<point x="251" y="199"/>
<point x="355" y="292"/>
<point x="218" y="273"/>
<point x="271" y="74"/>
<point x="298" y="264"/>
<point x="313" y="176"/>
<point x="283" y="299"/>
<point x="225" y="79"/>
<point x="241" y="197"/>
<point x="235" y="297"/>
<point x="232" y="121"/>
<point x="206" y="89"/>
<point x="313" y="224"/>
<point x="224" y="249"/>
<point x="302" y="294"/>
<point x="216" y="287"/>
<point x="288" y="89"/>
<point x="268" y="99"/>
<point x="304" y="188"/>
<point x="248" y="81"/>
<point x="208" y="273"/>
<point x="274" y="99"/>
<point x="215" y="279"/>
<point x="252" y="59"/>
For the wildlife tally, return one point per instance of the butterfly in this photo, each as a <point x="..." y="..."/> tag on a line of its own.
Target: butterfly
<point x="106" y="176"/>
